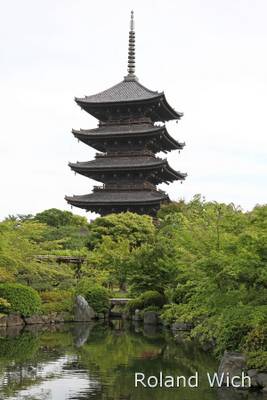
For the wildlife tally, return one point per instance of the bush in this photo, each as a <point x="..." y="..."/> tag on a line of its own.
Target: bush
<point x="57" y="301"/>
<point x="22" y="299"/>
<point x="151" y="298"/>
<point x="257" y="359"/>
<point x="96" y="295"/>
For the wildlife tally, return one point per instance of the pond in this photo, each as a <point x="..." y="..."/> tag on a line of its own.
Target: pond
<point x="99" y="361"/>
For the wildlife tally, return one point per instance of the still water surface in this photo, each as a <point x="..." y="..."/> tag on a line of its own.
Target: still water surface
<point x="98" y="361"/>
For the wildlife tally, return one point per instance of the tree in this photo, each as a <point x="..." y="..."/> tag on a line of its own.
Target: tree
<point x="56" y="218"/>
<point x="137" y="229"/>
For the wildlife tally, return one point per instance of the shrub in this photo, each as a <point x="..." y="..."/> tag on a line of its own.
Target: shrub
<point x="256" y="339"/>
<point x="151" y="298"/>
<point x="257" y="359"/>
<point x="96" y="296"/>
<point x="22" y="299"/>
<point x="57" y="301"/>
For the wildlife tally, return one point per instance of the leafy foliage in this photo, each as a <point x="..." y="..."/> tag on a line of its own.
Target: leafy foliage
<point x="96" y="295"/>
<point x="151" y="298"/>
<point x="136" y="229"/>
<point x="207" y="258"/>
<point x="22" y="299"/>
<point x="57" y="301"/>
<point x="57" y="218"/>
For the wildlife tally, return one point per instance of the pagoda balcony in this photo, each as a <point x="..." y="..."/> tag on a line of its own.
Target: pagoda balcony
<point x="140" y="153"/>
<point x="122" y="187"/>
<point x="126" y="121"/>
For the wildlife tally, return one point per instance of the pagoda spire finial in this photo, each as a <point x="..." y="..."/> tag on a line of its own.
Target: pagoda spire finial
<point x="131" y="48"/>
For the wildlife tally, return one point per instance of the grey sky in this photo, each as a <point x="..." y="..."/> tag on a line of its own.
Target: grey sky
<point x="209" y="56"/>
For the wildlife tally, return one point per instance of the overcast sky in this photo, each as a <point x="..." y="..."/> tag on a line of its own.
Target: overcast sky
<point x="209" y="57"/>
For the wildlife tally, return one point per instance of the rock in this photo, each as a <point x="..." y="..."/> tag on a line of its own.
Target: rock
<point x="14" y="319"/>
<point x="59" y="318"/>
<point x="232" y="363"/>
<point x="137" y="316"/>
<point x="181" y="326"/>
<point x="82" y="311"/>
<point x="36" y="319"/>
<point x="261" y="378"/>
<point x="150" y="317"/>
<point x="252" y="373"/>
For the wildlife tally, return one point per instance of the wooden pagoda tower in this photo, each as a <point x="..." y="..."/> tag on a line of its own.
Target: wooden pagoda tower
<point x="127" y="139"/>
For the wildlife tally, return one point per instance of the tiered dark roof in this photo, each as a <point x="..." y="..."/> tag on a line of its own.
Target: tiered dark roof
<point x="128" y="140"/>
<point x="128" y="92"/>
<point x="156" y="138"/>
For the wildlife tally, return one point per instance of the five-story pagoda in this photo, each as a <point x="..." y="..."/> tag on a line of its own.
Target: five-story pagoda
<point x="127" y="138"/>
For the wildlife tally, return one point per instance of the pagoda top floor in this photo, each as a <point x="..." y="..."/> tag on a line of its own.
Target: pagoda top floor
<point x="127" y="99"/>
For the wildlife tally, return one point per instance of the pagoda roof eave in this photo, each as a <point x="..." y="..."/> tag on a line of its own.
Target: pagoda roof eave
<point x="177" y="175"/>
<point x="97" y="135"/>
<point x="108" y="163"/>
<point x="118" y="198"/>
<point x="173" y="113"/>
<point x="119" y="130"/>
<point x="167" y="174"/>
<point x="164" y="113"/>
<point x="89" y="105"/>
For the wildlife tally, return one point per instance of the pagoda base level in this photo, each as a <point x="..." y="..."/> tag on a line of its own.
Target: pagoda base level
<point x="109" y="208"/>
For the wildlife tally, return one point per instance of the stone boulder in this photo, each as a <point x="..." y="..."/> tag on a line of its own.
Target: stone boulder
<point x="82" y="311"/>
<point x="51" y="318"/>
<point x="14" y="320"/>
<point x="261" y="379"/>
<point x="233" y="364"/>
<point x="35" y="319"/>
<point x="252" y="373"/>
<point x="151" y="318"/>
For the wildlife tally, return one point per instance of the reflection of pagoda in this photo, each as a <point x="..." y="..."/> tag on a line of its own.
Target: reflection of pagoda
<point x="127" y="139"/>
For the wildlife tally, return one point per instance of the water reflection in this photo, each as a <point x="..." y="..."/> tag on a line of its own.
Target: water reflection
<point x="98" y="361"/>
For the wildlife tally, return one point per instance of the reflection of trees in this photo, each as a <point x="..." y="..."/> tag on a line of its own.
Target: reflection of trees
<point x="109" y="358"/>
<point x="115" y="356"/>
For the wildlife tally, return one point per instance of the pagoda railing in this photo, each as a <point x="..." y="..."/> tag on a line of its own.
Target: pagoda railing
<point x="127" y="121"/>
<point x="126" y="154"/>
<point x="122" y="187"/>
